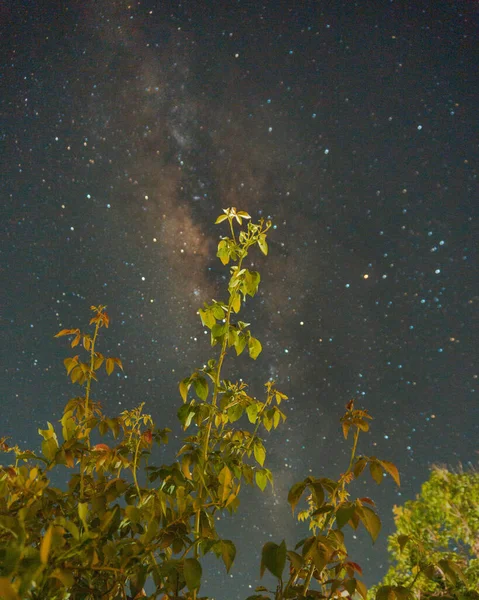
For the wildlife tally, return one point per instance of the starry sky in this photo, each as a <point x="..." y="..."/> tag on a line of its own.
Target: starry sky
<point x="128" y="126"/>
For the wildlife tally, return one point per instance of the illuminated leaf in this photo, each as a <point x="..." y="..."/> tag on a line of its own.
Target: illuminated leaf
<point x="201" y="387"/>
<point x="46" y="545"/>
<point x="370" y="520"/>
<point x="184" y="388"/>
<point x="254" y="347"/>
<point x="261" y="479"/>
<point x="263" y="244"/>
<point x="110" y="365"/>
<point x="259" y="452"/>
<point x="390" y="468"/>
<point x="236" y="303"/>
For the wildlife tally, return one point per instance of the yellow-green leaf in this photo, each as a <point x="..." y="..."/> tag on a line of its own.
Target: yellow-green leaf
<point x="110" y="365"/>
<point x="46" y="544"/>
<point x="254" y="347"/>
<point x="259" y="452"/>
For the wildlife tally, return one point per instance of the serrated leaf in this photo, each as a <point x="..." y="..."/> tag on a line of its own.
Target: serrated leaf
<point x="390" y="468"/>
<point x="370" y="520"/>
<point x="192" y="572"/>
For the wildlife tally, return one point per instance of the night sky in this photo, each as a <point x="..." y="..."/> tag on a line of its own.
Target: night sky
<point x="128" y="126"/>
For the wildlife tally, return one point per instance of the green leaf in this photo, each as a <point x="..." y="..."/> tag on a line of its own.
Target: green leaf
<point x="228" y="553"/>
<point x="254" y="347"/>
<point x="220" y="219"/>
<point x="192" y="572"/>
<point x="207" y="317"/>
<point x="252" y="412"/>
<point x="318" y="492"/>
<point x="68" y="425"/>
<point x="201" y="387"/>
<point x="240" y="343"/>
<point x="295" y="494"/>
<point x="218" y="330"/>
<point x="273" y="558"/>
<point x="370" y="520"/>
<point x="344" y="514"/>
<point x="235" y="412"/>
<point x="259" y="452"/>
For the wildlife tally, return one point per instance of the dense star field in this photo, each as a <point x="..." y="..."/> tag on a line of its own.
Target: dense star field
<point x="127" y="127"/>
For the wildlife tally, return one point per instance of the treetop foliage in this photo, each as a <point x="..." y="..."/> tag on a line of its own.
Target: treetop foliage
<point x="126" y="529"/>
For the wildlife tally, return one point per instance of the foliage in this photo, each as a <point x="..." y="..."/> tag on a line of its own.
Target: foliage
<point x="436" y="546"/>
<point x="122" y="526"/>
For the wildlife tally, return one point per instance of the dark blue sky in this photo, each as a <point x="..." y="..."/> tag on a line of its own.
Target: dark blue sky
<point x="128" y="127"/>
